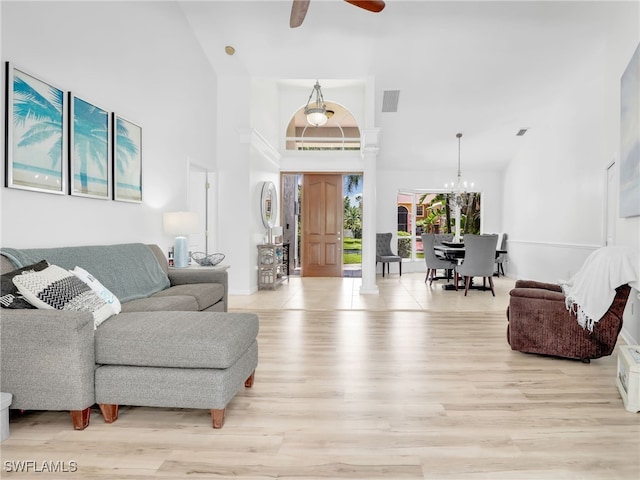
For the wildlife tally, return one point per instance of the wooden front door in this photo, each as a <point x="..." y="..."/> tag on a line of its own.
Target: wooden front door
<point x="322" y="207"/>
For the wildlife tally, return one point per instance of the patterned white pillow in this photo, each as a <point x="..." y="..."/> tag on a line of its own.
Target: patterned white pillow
<point x="97" y="287"/>
<point x="57" y="288"/>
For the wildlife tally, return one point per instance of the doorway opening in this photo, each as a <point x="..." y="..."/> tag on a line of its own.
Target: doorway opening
<point x="322" y="220"/>
<point x="202" y="200"/>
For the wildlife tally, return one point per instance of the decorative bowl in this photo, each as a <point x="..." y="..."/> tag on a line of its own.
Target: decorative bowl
<point x="205" y="260"/>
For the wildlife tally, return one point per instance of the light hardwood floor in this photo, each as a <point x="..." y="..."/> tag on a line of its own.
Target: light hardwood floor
<point x="415" y="383"/>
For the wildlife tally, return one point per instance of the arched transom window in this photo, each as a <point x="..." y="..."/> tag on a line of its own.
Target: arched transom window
<point x="341" y="131"/>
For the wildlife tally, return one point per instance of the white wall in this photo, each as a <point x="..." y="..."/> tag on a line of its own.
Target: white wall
<point x="121" y="56"/>
<point x="263" y="169"/>
<point x="627" y="230"/>
<point x="264" y="109"/>
<point x="234" y="193"/>
<point x="246" y="159"/>
<point x="554" y="190"/>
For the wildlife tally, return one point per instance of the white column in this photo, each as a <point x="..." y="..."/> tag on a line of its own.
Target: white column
<point x="369" y="152"/>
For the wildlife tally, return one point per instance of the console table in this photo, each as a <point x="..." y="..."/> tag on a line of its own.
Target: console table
<point x="273" y="265"/>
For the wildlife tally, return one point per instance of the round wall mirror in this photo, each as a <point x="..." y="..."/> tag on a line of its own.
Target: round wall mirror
<point x="269" y="204"/>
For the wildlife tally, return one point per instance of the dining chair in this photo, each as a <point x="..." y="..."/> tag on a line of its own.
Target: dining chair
<point x="501" y="257"/>
<point x="479" y="260"/>
<point x="384" y="253"/>
<point x="432" y="260"/>
<point x="442" y="237"/>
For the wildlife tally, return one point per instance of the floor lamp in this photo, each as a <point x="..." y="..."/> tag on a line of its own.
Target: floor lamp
<point x="180" y="224"/>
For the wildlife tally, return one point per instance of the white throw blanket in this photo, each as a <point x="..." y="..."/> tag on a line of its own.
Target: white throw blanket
<point x="590" y="292"/>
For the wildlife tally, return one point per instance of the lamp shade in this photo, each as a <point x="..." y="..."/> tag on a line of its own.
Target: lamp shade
<point x="317" y="117"/>
<point x="180" y="223"/>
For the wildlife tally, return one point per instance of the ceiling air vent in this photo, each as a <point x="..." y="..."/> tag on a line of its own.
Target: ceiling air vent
<point x="521" y="132"/>
<point x="390" y="100"/>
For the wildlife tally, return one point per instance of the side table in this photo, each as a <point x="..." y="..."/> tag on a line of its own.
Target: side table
<point x="628" y="377"/>
<point x="273" y="265"/>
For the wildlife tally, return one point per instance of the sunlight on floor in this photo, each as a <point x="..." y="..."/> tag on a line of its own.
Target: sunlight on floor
<point x="409" y="292"/>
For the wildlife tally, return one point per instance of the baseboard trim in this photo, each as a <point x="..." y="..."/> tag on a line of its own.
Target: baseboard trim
<point x="628" y="339"/>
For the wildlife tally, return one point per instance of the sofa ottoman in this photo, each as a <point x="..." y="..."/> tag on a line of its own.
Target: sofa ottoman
<point x="174" y="359"/>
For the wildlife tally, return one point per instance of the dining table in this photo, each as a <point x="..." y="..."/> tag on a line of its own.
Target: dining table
<point x="456" y="251"/>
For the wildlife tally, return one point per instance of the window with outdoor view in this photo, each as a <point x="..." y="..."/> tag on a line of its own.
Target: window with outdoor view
<point x="433" y="212"/>
<point x="352" y="220"/>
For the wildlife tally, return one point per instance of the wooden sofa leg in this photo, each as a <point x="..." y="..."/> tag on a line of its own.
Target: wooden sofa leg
<point x="217" y="417"/>
<point x="249" y="381"/>
<point x="109" y="412"/>
<point x="80" y="418"/>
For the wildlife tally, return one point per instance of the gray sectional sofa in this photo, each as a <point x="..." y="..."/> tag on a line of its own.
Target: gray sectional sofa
<point x="173" y="345"/>
<point x="137" y="274"/>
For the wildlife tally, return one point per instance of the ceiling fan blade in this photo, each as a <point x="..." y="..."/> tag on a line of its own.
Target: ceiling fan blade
<point x="372" y="5"/>
<point x="298" y="12"/>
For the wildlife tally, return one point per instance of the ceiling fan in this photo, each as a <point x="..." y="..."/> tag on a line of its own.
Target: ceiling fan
<point x="299" y="9"/>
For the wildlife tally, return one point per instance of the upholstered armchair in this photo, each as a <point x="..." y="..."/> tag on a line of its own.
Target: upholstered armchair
<point x="578" y="318"/>
<point x="539" y="322"/>
<point x="384" y="254"/>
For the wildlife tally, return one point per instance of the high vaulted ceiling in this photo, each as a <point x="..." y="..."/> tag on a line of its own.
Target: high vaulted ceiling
<point x="486" y="69"/>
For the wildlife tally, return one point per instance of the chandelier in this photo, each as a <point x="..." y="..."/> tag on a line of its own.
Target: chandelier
<point x="457" y="197"/>
<point x="316" y="111"/>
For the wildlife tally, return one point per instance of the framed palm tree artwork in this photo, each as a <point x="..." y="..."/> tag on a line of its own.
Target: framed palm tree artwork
<point x="127" y="160"/>
<point x="90" y="149"/>
<point x="36" y="133"/>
